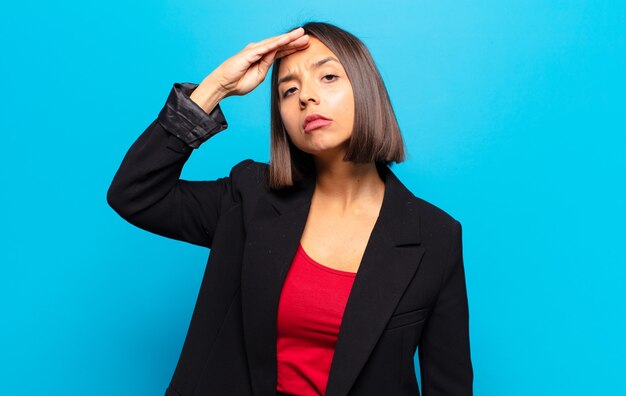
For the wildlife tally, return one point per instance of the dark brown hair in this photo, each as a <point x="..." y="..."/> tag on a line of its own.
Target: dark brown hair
<point x="376" y="135"/>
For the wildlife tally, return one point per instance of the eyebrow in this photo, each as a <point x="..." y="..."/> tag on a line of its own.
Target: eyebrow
<point x="314" y="65"/>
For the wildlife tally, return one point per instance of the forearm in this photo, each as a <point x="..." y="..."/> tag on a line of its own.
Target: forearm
<point x="208" y="94"/>
<point x="146" y="189"/>
<point x="149" y="170"/>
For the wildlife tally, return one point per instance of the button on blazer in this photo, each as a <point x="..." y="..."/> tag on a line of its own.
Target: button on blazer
<point x="409" y="293"/>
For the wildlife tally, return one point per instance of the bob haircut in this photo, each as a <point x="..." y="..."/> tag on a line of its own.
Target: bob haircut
<point x="375" y="136"/>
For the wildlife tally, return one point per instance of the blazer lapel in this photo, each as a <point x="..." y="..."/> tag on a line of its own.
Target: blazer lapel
<point x="390" y="261"/>
<point x="271" y="244"/>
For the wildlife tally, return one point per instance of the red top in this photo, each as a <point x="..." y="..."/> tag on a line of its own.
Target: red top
<point x="310" y="309"/>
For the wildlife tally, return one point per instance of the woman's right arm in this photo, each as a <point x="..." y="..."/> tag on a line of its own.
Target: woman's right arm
<point x="147" y="190"/>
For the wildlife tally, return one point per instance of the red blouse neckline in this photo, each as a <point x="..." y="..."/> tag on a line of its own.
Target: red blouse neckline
<point x="322" y="266"/>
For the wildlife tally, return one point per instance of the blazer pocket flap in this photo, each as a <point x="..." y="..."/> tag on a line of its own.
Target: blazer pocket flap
<point x="407" y="318"/>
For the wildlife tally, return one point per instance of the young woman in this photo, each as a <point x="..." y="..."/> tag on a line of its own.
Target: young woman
<point x="326" y="273"/>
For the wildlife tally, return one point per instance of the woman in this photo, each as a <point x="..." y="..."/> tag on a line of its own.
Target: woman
<point x="325" y="273"/>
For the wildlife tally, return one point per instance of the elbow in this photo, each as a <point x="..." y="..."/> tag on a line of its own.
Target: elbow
<point x="115" y="199"/>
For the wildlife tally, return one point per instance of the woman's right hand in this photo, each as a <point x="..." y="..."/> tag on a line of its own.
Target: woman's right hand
<point x="244" y="71"/>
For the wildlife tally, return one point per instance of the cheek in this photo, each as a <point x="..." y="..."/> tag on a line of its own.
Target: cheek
<point x="284" y="115"/>
<point x="290" y="122"/>
<point x="345" y="101"/>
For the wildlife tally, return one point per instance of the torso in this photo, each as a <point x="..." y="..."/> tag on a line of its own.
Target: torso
<point x="339" y="240"/>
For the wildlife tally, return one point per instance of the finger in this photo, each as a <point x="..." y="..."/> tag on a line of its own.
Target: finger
<point x="283" y="54"/>
<point x="298" y="45"/>
<point x="256" y="51"/>
<point x="266" y="62"/>
<point x="282" y="38"/>
<point x="299" y="41"/>
<point x="254" y="54"/>
<point x="283" y="41"/>
<point x="261" y="54"/>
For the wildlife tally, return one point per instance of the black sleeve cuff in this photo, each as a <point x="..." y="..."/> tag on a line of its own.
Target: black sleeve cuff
<point x="183" y="118"/>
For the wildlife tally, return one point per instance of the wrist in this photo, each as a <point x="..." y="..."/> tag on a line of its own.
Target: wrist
<point x="208" y="94"/>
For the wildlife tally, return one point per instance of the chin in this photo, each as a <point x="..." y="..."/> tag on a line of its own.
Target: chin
<point x="324" y="150"/>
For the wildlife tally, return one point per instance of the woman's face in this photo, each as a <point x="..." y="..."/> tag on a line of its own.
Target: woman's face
<point x="313" y="81"/>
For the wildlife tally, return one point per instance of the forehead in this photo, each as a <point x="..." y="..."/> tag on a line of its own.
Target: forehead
<point x="303" y="59"/>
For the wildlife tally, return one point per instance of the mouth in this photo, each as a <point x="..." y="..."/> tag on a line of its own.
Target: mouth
<point x="315" y="121"/>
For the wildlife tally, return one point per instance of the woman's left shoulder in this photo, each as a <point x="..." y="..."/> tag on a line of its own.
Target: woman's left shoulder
<point x="436" y="222"/>
<point x="433" y="218"/>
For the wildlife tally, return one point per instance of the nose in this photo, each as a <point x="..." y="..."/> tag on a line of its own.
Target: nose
<point x="307" y="95"/>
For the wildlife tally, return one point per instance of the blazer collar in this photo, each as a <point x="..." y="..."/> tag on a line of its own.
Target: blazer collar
<point x="391" y="258"/>
<point x="401" y="222"/>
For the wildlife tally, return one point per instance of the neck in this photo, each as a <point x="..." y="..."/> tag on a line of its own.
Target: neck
<point x="345" y="185"/>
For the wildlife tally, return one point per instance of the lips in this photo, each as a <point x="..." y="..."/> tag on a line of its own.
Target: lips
<point x="314" y="121"/>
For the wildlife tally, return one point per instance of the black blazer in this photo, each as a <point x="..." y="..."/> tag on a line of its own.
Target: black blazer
<point x="409" y="290"/>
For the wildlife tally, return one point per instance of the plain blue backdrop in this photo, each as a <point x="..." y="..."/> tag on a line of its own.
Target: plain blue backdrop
<point x="513" y="115"/>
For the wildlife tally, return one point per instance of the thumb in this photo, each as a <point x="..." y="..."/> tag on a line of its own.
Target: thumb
<point x="266" y="62"/>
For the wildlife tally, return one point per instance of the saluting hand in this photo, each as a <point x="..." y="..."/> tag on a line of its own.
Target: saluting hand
<point x="244" y="71"/>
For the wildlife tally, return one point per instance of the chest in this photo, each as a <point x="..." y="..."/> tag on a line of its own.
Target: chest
<point x="338" y="241"/>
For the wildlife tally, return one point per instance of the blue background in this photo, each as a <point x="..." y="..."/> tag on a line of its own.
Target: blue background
<point x="514" y="119"/>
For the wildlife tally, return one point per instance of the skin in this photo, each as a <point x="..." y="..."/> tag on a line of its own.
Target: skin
<point x="347" y="196"/>
<point x="325" y="90"/>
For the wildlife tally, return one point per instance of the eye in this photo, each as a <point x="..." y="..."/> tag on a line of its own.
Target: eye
<point x="332" y="78"/>
<point x="287" y="92"/>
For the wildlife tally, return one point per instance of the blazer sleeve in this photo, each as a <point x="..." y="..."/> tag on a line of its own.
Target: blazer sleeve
<point x="147" y="190"/>
<point x="444" y="350"/>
